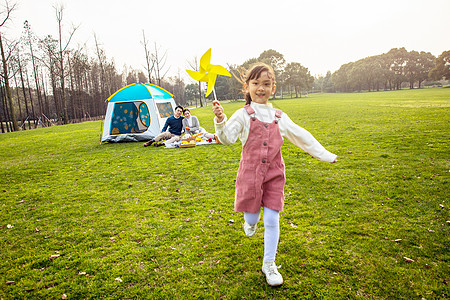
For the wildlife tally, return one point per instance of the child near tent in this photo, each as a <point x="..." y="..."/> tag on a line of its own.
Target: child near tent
<point x="261" y="175"/>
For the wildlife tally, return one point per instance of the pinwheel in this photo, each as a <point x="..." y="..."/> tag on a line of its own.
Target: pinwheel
<point x="208" y="72"/>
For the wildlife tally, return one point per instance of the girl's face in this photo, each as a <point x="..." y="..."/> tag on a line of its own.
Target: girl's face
<point x="260" y="89"/>
<point x="187" y="114"/>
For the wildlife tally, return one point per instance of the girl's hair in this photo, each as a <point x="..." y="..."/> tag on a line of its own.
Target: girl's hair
<point x="254" y="73"/>
<point x="185" y="110"/>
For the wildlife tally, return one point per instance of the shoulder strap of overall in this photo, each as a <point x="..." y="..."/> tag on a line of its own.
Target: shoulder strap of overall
<point x="249" y="109"/>
<point x="278" y="113"/>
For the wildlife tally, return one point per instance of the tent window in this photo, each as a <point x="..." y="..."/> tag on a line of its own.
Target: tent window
<point x="125" y="116"/>
<point x="165" y="109"/>
<point x="144" y="116"/>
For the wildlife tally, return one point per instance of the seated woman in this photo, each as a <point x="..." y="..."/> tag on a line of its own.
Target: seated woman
<point x="191" y="125"/>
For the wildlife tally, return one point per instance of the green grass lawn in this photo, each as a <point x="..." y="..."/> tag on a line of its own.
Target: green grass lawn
<point x="85" y="220"/>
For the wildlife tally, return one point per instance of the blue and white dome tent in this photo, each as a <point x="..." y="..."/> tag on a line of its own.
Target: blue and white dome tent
<point x="137" y="112"/>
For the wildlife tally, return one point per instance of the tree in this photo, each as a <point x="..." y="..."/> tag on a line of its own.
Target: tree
<point x="50" y="47"/>
<point x="104" y="86"/>
<point x="341" y="79"/>
<point x="298" y="77"/>
<point x="30" y="39"/>
<point x="5" y="58"/>
<point x="160" y="64"/>
<point x="191" y="92"/>
<point x="417" y="67"/>
<point x="327" y="85"/>
<point x="141" y="77"/>
<point x="193" y="65"/>
<point x="59" y="9"/>
<point x="131" y="78"/>
<point x="274" y="59"/>
<point x="148" y="59"/>
<point x="235" y="86"/>
<point x="442" y="67"/>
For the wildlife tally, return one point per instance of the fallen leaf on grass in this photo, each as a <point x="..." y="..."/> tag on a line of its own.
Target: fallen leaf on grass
<point x="397" y="240"/>
<point x="9" y="226"/>
<point x="64" y="296"/>
<point x="217" y="261"/>
<point x="408" y="259"/>
<point x="48" y="236"/>
<point x="10" y="282"/>
<point x="231" y="221"/>
<point x="118" y="279"/>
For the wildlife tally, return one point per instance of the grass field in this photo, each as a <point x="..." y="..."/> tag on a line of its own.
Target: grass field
<point x="85" y="220"/>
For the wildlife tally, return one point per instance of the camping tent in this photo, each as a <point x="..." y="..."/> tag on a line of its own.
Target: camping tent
<point x="137" y="112"/>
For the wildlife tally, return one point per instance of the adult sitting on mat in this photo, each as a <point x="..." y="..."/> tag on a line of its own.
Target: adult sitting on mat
<point x="175" y="125"/>
<point x="190" y="123"/>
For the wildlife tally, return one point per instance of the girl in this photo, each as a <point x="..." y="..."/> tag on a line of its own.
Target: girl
<point x="260" y="179"/>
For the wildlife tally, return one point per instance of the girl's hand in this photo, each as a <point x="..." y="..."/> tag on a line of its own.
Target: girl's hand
<point x="218" y="111"/>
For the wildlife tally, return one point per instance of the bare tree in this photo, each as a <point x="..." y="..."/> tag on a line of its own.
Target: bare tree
<point x="160" y="63"/>
<point x="148" y="58"/>
<point x="29" y="40"/>
<point x="5" y="75"/>
<point x="102" y="60"/>
<point x="28" y="117"/>
<point x="49" y="46"/>
<point x="193" y="65"/>
<point x="59" y="9"/>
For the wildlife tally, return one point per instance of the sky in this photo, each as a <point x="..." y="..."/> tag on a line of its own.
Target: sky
<point x="322" y="35"/>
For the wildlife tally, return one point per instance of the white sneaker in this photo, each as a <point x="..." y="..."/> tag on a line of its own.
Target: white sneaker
<point x="273" y="277"/>
<point x="249" y="229"/>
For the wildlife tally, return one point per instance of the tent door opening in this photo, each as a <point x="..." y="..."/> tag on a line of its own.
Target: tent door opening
<point x="130" y="117"/>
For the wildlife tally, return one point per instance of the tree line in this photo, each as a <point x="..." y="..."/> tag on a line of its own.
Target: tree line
<point x="45" y="82"/>
<point x="391" y="71"/>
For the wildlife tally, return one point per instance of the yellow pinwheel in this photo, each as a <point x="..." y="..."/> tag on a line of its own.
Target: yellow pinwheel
<point x="208" y="72"/>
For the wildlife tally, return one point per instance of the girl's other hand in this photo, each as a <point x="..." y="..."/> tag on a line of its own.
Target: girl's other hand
<point x="218" y="111"/>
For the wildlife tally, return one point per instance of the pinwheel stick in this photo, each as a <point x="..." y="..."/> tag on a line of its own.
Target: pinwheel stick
<point x="214" y="91"/>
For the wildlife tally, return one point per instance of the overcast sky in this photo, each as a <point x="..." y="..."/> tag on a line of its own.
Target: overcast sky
<point x="320" y="34"/>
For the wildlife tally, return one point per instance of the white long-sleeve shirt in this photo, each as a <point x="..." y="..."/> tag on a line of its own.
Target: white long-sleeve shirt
<point x="238" y="125"/>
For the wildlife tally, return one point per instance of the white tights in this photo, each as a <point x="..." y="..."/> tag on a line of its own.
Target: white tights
<point x="271" y="220"/>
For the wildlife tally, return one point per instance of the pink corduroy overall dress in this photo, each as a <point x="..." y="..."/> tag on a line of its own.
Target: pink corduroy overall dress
<point x="261" y="175"/>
